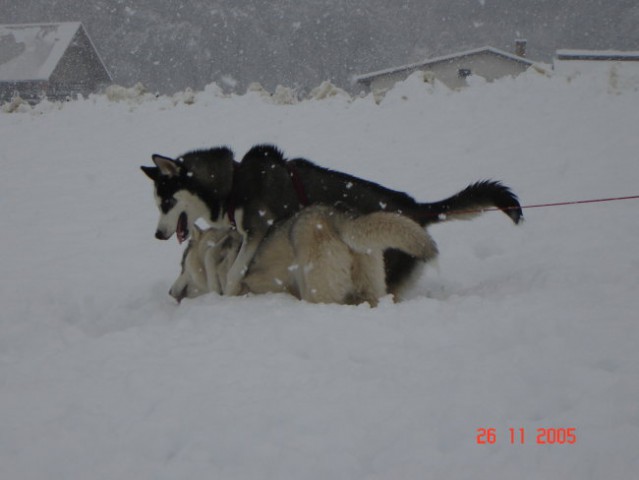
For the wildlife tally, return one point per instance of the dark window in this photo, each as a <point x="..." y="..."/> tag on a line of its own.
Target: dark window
<point x="464" y="72"/>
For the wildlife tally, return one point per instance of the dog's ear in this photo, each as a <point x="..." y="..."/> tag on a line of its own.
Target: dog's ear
<point x="152" y="172"/>
<point x="167" y="165"/>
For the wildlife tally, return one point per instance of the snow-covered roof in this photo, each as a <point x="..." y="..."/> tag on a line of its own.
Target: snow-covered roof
<point x="445" y="58"/>
<point x="32" y="51"/>
<point x="601" y="55"/>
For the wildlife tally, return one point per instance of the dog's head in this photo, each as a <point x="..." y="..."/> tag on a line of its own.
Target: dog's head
<point x="205" y="262"/>
<point x="192" y="187"/>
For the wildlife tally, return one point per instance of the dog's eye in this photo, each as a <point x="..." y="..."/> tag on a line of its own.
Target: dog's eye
<point x="167" y="204"/>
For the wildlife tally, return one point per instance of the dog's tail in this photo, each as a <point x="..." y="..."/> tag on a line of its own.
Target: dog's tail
<point x="379" y="231"/>
<point x="469" y="203"/>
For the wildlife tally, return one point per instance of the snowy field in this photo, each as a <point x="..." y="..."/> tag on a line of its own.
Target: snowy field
<point x="103" y="376"/>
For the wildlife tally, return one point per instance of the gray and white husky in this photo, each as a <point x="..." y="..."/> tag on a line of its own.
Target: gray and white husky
<point x="265" y="188"/>
<point x="321" y="255"/>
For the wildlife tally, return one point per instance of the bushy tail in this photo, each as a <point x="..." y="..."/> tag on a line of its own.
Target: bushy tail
<point x="380" y="231"/>
<point x="469" y="203"/>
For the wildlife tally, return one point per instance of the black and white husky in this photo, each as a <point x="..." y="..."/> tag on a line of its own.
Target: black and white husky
<point x="321" y="255"/>
<point x="264" y="188"/>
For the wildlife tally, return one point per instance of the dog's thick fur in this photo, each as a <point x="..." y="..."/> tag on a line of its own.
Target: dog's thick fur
<point x="320" y="255"/>
<point x="265" y="188"/>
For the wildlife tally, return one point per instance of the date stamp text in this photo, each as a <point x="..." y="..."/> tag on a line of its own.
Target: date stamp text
<point x="522" y="436"/>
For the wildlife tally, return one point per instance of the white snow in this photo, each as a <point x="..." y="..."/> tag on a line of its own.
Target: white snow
<point x="103" y="376"/>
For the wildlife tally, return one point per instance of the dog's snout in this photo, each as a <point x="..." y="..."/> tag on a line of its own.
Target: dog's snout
<point x="159" y="234"/>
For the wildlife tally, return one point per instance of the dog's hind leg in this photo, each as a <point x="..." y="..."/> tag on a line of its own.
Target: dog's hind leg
<point x="324" y="260"/>
<point x="368" y="278"/>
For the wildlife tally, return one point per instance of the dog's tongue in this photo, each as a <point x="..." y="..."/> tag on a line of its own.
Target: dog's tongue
<point x="182" y="230"/>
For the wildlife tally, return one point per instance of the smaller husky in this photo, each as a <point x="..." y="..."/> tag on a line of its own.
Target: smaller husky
<point x="321" y="255"/>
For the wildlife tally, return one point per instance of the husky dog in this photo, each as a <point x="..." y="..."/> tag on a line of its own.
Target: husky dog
<point x="321" y="255"/>
<point x="264" y="188"/>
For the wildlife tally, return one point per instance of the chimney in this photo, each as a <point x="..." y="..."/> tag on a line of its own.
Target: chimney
<point x="520" y="47"/>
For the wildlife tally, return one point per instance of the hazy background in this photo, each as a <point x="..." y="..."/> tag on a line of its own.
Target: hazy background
<point x="169" y="45"/>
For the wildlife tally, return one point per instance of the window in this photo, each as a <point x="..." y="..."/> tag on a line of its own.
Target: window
<point x="464" y="72"/>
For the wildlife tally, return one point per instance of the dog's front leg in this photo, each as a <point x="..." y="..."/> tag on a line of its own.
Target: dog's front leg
<point x="212" y="274"/>
<point x="240" y="265"/>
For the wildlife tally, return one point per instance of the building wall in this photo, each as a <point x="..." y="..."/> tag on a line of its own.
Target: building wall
<point x="577" y="67"/>
<point x="80" y="70"/>
<point x="32" y="92"/>
<point x="488" y="66"/>
<point x="617" y="75"/>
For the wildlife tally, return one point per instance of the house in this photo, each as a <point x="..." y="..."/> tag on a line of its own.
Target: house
<point x="453" y="70"/>
<point x="53" y="60"/>
<point x="571" y="62"/>
<point x="619" y="69"/>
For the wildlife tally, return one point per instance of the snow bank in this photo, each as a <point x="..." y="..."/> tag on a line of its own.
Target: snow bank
<point x="613" y="77"/>
<point x="533" y="327"/>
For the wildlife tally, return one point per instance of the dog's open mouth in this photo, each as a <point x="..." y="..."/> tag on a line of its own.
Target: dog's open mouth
<point x="182" y="229"/>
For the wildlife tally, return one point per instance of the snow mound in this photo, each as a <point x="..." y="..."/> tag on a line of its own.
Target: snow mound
<point x="135" y="94"/>
<point x="281" y="96"/>
<point x="327" y="90"/>
<point x="16" y="105"/>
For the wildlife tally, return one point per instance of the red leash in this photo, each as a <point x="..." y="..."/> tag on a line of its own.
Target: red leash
<point x="556" y="204"/>
<point x="579" y="202"/>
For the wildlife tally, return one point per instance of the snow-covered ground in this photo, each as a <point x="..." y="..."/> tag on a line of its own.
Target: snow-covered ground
<point x="103" y="376"/>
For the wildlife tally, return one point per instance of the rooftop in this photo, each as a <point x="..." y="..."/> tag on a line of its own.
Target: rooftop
<point x="31" y="52"/>
<point x="609" y="55"/>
